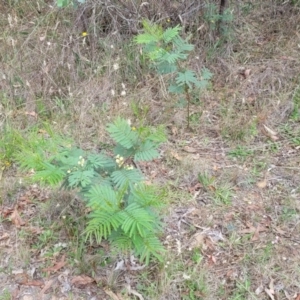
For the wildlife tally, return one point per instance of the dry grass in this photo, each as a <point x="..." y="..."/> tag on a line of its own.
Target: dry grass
<point x="230" y="234"/>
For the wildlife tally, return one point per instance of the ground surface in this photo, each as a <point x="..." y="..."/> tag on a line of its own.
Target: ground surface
<point x="232" y="225"/>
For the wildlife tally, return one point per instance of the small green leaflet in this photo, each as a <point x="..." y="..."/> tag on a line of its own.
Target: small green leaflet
<point x="206" y="74"/>
<point x="187" y="78"/>
<point x="171" y="33"/>
<point x="147" y="151"/>
<point x="82" y="178"/>
<point x="122" y="134"/>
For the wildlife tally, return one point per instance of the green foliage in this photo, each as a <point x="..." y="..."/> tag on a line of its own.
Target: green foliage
<point x="296" y="102"/>
<point x="240" y="152"/>
<point x="167" y="51"/>
<point x="5" y="295"/>
<point x="9" y="142"/>
<point x="35" y="152"/>
<point x="122" y="207"/>
<point x="65" y="3"/>
<point x="217" y="21"/>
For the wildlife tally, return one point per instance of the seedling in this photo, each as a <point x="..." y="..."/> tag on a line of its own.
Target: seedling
<point x="167" y="52"/>
<point x="122" y="207"/>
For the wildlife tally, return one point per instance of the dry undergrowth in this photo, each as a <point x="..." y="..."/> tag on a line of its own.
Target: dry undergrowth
<point x="233" y="231"/>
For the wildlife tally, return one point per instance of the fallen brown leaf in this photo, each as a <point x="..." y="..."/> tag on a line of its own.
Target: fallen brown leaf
<point x="247" y="73"/>
<point x="57" y="266"/>
<point x="270" y="133"/>
<point x="271" y="292"/>
<point x="31" y="113"/>
<point x="252" y="229"/>
<point x="81" y="280"/>
<point x="259" y="290"/>
<point x="34" y="283"/>
<point x="111" y="294"/>
<point x="212" y="260"/>
<point x="174" y="130"/>
<point x="175" y="155"/>
<point x="133" y="292"/>
<point x="4" y="236"/>
<point x="47" y="285"/>
<point x="197" y="241"/>
<point x="35" y="230"/>
<point x="21" y="278"/>
<point x="255" y="236"/>
<point x="16" y="219"/>
<point x="280" y="231"/>
<point x="189" y="149"/>
<point x="15" y="294"/>
<point x="5" y="212"/>
<point x="262" y="184"/>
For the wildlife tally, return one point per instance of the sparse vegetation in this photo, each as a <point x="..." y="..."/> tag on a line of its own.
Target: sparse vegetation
<point x="68" y="181"/>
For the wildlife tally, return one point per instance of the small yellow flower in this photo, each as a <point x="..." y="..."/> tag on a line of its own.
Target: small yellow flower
<point x="84" y="34"/>
<point x="168" y="20"/>
<point x="133" y="128"/>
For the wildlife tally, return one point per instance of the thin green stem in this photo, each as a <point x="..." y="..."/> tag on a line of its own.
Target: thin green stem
<point x="188" y="99"/>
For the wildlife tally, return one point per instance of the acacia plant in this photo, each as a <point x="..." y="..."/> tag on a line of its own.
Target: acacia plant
<point x="123" y="208"/>
<point x="167" y="52"/>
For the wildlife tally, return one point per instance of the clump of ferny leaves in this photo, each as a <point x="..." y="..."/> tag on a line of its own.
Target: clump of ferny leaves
<point x="167" y="51"/>
<point x="122" y="207"/>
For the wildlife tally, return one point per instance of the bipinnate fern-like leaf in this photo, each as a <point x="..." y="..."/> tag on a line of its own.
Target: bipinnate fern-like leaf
<point x="157" y="135"/>
<point x="182" y="45"/>
<point x="154" y="31"/>
<point x="206" y="74"/>
<point x="50" y="174"/>
<point x="157" y="54"/>
<point x="176" y="89"/>
<point x="69" y="157"/>
<point x="101" y="161"/>
<point x="170" y="57"/>
<point x="165" y="68"/>
<point x="146" y="38"/>
<point x="187" y="78"/>
<point x="146" y="152"/>
<point x="30" y="159"/>
<point x="81" y="178"/>
<point x="124" y="152"/>
<point x="121" y="241"/>
<point x="145" y="247"/>
<point x="137" y="221"/>
<point x="103" y="197"/>
<point x="146" y="195"/>
<point x="122" y="134"/>
<point x="124" y="177"/>
<point x="170" y="33"/>
<point x="101" y="224"/>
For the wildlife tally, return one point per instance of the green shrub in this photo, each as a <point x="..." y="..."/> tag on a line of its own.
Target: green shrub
<point x="123" y="208"/>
